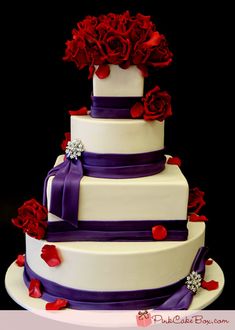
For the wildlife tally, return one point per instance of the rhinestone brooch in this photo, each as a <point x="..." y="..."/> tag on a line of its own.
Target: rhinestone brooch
<point x="74" y="149"/>
<point x="193" y="281"/>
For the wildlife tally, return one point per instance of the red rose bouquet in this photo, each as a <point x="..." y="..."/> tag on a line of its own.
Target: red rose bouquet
<point x="119" y="39"/>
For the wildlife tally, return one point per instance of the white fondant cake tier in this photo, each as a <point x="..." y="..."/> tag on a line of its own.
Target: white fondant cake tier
<point x="163" y="196"/>
<point x="112" y="266"/>
<point x="120" y="82"/>
<point x="125" y="136"/>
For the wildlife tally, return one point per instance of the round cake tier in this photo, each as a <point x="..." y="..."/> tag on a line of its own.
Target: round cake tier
<point x="125" y="136"/>
<point x="113" y="266"/>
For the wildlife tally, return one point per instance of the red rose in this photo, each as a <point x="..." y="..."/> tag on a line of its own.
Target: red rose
<point x="157" y="105"/>
<point x="35" y="229"/>
<point x="84" y="49"/>
<point x="88" y="24"/>
<point x="144" y="22"/>
<point x="160" y="56"/>
<point x="32" y="218"/>
<point x="141" y="29"/>
<point x="116" y="48"/>
<point x="153" y="52"/>
<point x="95" y="53"/>
<point x="76" y="51"/>
<point x="196" y="201"/>
<point x="118" y="23"/>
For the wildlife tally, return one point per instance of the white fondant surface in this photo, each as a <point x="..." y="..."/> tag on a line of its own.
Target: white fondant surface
<point x="120" y="82"/>
<point x="117" y="135"/>
<point x="108" y="319"/>
<point x="114" y="266"/>
<point x="163" y="196"/>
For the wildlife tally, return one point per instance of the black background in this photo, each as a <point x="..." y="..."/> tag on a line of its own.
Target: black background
<point x="39" y="88"/>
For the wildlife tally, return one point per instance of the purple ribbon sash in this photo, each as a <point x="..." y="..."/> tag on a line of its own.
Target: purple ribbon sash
<point x="183" y="297"/>
<point x="65" y="190"/>
<point x="174" y="296"/>
<point x="118" y="231"/>
<point x="112" y="106"/>
<point x="67" y="177"/>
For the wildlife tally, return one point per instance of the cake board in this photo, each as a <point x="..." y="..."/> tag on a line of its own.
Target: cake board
<point x="18" y="291"/>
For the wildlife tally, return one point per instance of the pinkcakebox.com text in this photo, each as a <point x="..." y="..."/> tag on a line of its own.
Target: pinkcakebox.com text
<point x="189" y="319"/>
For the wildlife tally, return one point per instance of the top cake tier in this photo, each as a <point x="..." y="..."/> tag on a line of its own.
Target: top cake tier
<point x="120" y="82"/>
<point x="120" y="95"/>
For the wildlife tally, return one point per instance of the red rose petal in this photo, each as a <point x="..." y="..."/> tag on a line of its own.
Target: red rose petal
<point x="35" y="289"/>
<point x="209" y="262"/>
<point x="174" y="161"/>
<point x="159" y="232"/>
<point x="197" y="218"/>
<point x="57" y="304"/>
<point x="159" y="65"/>
<point x="137" y="110"/>
<point x="18" y="222"/>
<point x="80" y="112"/>
<point x="103" y="71"/>
<point x="91" y="71"/>
<point x="64" y="143"/>
<point x="210" y="285"/>
<point x="50" y="255"/>
<point x="20" y="261"/>
<point x="154" y="40"/>
<point x="203" y="218"/>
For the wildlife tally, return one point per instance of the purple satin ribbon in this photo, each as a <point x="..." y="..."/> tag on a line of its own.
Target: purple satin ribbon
<point x="174" y="296"/>
<point x="183" y="297"/>
<point x="112" y="106"/>
<point x="68" y="174"/>
<point x="118" y="231"/>
<point x="65" y="190"/>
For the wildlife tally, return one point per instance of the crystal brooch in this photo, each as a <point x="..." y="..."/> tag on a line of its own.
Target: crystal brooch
<point x="193" y="281"/>
<point x="74" y="149"/>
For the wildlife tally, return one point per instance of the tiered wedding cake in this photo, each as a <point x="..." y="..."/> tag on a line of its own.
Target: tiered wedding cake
<point x="117" y="234"/>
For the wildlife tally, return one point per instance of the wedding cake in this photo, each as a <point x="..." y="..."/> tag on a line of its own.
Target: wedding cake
<point x="119" y="227"/>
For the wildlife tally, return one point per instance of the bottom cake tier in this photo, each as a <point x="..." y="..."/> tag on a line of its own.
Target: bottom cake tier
<point x="111" y="275"/>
